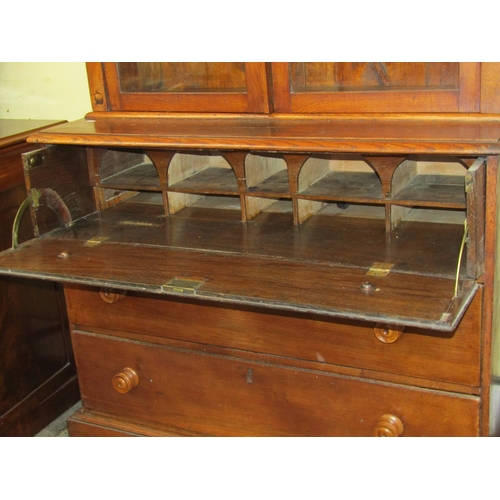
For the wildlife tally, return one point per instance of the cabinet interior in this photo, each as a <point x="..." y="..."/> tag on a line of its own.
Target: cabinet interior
<point x="352" y="218"/>
<point x="330" y="208"/>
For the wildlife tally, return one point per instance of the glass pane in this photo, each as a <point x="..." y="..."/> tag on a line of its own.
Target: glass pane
<point x="338" y="77"/>
<point x="182" y="77"/>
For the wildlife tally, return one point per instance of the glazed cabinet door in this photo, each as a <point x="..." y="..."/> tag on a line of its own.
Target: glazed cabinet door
<point x="376" y="87"/>
<point x="234" y="87"/>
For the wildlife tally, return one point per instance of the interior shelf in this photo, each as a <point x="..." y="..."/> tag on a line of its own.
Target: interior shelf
<point x="208" y="180"/>
<point x="276" y="184"/>
<point x="435" y="215"/>
<point x="201" y="173"/>
<point x="346" y="186"/>
<point x="142" y="176"/>
<point x="343" y="209"/>
<point x="445" y="190"/>
<point x="266" y="174"/>
<point x="121" y="169"/>
<point x="209" y="206"/>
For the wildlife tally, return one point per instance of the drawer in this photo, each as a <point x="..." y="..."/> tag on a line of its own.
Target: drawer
<point x="424" y="355"/>
<point x="227" y="396"/>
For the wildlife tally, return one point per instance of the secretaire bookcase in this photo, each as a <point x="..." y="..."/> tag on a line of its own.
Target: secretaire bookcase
<point x="275" y="249"/>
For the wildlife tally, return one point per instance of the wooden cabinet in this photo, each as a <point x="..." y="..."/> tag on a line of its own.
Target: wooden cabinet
<point x="274" y="274"/>
<point x="299" y="87"/>
<point x="37" y="371"/>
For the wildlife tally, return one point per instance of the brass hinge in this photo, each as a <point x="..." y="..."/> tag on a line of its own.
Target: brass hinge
<point x="380" y="269"/>
<point x="462" y="247"/>
<point x="469" y="183"/>
<point x="182" y="285"/>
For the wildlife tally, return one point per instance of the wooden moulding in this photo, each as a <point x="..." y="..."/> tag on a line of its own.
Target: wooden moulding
<point x="398" y="135"/>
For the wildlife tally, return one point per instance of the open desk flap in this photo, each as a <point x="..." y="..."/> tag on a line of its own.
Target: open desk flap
<point x="288" y="232"/>
<point x="346" y="292"/>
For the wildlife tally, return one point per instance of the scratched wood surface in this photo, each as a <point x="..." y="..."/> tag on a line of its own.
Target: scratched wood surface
<point x="328" y="288"/>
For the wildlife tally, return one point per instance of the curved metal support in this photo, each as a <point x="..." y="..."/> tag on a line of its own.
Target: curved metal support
<point x="462" y="246"/>
<point x="17" y="220"/>
<point x="51" y="199"/>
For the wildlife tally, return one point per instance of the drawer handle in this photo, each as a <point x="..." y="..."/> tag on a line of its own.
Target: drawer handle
<point x="388" y="334"/>
<point x="388" y="426"/>
<point x="110" y="297"/>
<point x="125" y="381"/>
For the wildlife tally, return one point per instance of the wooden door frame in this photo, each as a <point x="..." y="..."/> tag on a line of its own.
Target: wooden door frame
<point x="106" y="96"/>
<point x="465" y="99"/>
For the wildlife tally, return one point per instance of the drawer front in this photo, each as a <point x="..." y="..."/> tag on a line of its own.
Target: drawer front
<point x="426" y="355"/>
<point x="226" y="396"/>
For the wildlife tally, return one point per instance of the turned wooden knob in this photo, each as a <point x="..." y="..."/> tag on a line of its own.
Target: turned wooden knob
<point x="125" y="381"/>
<point x="388" y="333"/>
<point x="110" y="296"/>
<point x="388" y="426"/>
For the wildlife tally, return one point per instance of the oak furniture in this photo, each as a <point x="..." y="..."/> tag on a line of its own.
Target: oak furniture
<point x="273" y="249"/>
<point x="37" y="370"/>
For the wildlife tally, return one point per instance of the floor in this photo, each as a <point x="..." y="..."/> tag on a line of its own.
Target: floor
<point x="59" y="428"/>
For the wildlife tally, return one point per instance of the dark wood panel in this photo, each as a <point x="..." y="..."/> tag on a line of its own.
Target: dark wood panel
<point x="61" y="177"/>
<point x="37" y="372"/>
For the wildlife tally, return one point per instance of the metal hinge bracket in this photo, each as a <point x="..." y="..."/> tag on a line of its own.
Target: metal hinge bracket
<point x="182" y="285"/>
